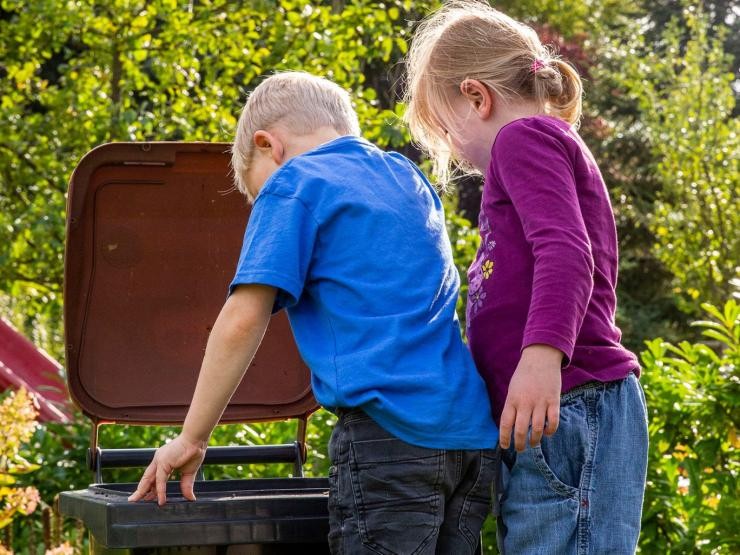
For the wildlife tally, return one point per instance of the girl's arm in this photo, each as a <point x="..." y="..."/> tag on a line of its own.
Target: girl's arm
<point x="535" y="168"/>
<point x="533" y="398"/>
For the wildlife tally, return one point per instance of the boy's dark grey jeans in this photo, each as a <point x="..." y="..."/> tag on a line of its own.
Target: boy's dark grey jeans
<point x="392" y="498"/>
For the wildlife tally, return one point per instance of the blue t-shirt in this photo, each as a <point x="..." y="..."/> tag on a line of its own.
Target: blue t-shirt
<point x="354" y="240"/>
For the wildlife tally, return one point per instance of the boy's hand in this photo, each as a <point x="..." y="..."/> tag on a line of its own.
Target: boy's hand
<point x="181" y="454"/>
<point x="533" y="398"/>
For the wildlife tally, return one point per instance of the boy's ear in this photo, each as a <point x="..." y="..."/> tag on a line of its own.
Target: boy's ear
<point x="264" y="140"/>
<point x="480" y="97"/>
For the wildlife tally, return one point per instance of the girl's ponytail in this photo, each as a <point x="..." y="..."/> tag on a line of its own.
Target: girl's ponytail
<point x="558" y="86"/>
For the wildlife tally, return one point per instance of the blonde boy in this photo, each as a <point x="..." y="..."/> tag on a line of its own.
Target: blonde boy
<point x="351" y="241"/>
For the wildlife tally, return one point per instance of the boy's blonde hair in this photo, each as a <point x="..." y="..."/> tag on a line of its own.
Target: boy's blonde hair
<point x="471" y="40"/>
<point x="297" y="101"/>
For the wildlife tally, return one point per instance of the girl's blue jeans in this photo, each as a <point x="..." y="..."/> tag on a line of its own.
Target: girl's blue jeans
<point x="581" y="491"/>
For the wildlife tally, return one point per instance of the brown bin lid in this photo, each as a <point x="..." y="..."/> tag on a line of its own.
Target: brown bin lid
<point x="153" y="237"/>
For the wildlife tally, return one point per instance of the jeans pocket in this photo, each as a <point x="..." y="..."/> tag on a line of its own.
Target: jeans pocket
<point x="562" y="457"/>
<point x="553" y="481"/>
<point x="397" y="494"/>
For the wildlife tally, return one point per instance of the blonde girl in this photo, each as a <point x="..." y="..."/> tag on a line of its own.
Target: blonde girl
<point x="483" y="92"/>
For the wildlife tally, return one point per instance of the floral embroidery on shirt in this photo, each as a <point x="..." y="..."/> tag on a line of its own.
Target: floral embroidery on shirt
<point x="486" y="234"/>
<point x="487" y="268"/>
<point x="480" y="270"/>
<point x="476" y="299"/>
<point x="475" y="280"/>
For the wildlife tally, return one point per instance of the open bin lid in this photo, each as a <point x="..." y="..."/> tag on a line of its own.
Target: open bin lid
<point x="153" y="236"/>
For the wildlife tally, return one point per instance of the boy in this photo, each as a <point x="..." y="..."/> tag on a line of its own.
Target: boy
<point x="351" y="241"/>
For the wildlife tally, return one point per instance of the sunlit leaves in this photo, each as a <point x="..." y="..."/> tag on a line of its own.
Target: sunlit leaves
<point x="686" y="99"/>
<point x="77" y="74"/>
<point x="17" y="425"/>
<point x="692" y="392"/>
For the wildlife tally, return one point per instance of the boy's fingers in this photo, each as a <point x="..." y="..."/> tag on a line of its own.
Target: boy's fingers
<point x="161" y="485"/>
<point x="553" y="418"/>
<point x="507" y="425"/>
<point x="186" y="486"/>
<point x="144" y="486"/>
<point x="521" y="428"/>
<point x="538" y="426"/>
<point x="139" y="493"/>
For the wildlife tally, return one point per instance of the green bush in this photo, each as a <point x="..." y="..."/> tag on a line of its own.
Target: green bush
<point x="684" y="88"/>
<point x="692" y="391"/>
<point x="17" y="423"/>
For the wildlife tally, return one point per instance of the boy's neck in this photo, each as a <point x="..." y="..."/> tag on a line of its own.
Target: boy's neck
<point x="298" y="144"/>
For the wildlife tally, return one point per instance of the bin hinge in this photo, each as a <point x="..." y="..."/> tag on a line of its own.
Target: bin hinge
<point x="93" y="453"/>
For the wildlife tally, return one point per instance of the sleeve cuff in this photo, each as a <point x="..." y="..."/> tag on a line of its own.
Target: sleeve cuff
<point x="289" y="290"/>
<point x="552" y="339"/>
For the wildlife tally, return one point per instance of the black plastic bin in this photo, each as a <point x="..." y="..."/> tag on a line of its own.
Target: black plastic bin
<point x="278" y="515"/>
<point x="152" y="241"/>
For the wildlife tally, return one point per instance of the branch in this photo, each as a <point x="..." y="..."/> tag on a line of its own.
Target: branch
<point x="33" y="167"/>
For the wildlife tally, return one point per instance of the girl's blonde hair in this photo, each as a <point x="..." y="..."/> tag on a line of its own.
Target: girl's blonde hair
<point x="471" y="40"/>
<point x="299" y="102"/>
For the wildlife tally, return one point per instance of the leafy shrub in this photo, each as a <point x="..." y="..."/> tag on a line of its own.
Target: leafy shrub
<point x="692" y="391"/>
<point x="684" y="88"/>
<point x="17" y="425"/>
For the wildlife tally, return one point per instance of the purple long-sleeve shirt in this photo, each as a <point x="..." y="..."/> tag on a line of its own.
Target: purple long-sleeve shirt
<point x="546" y="269"/>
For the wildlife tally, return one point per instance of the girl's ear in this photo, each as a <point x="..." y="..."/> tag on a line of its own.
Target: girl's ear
<point x="266" y="141"/>
<point x="480" y="97"/>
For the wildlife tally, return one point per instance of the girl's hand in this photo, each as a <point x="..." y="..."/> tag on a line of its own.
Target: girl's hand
<point x="533" y="398"/>
<point x="180" y="453"/>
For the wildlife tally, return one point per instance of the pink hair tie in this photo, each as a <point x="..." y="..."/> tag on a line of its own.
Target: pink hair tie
<point x="537" y="65"/>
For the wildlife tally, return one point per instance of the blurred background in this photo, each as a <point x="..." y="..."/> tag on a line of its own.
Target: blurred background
<point x="661" y="85"/>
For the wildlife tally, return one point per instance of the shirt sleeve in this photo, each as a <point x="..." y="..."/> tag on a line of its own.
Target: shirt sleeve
<point x="536" y="171"/>
<point x="278" y="247"/>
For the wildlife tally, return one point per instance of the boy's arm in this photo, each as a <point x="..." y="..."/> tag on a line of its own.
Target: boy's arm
<point x="235" y="337"/>
<point x="234" y="340"/>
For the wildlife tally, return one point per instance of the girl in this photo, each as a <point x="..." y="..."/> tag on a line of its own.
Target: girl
<point x="483" y="90"/>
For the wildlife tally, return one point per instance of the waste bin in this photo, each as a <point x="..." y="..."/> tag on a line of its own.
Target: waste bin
<point x="153" y="233"/>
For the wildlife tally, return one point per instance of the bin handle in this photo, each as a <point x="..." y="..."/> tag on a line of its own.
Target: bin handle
<point x="248" y="454"/>
<point x="98" y="458"/>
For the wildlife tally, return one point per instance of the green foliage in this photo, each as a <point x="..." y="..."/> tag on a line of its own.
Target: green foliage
<point x="686" y="102"/>
<point x="692" y="503"/>
<point x="58" y="451"/>
<point x="572" y="18"/>
<point x="74" y="75"/>
<point x="77" y="74"/>
<point x="17" y="424"/>
<point x="613" y="129"/>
